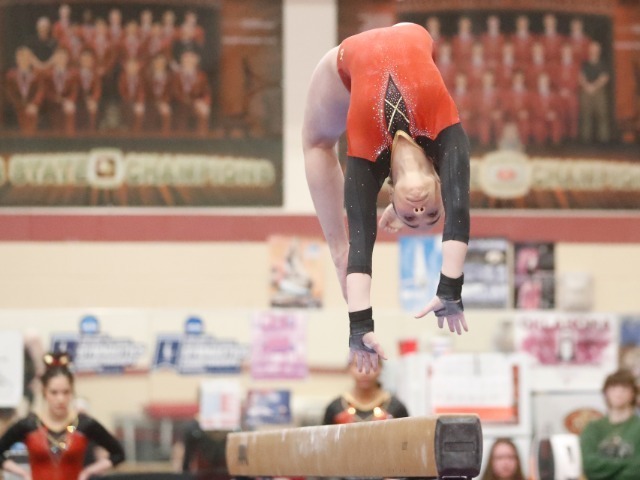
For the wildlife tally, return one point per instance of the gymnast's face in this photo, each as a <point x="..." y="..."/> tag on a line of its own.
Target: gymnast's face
<point x="58" y="393"/>
<point x="364" y="381"/>
<point x="417" y="202"/>
<point x="416" y="193"/>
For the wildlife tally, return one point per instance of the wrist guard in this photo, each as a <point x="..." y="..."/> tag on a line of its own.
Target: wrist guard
<point x="450" y="288"/>
<point x="360" y="323"/>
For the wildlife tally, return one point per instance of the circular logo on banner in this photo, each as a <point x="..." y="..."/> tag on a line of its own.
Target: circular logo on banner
<point x="505" y="174"/>
<point x="194" y="326"/>
<point x="106" y="168"/>
<point x="89" y="325"/>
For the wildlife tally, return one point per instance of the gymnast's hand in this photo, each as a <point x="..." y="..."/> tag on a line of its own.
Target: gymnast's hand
<point x="452" y="311"/>
<point x="447" y="304"/>
<point x="363" y="344"/>
<point x="366" y="358"/>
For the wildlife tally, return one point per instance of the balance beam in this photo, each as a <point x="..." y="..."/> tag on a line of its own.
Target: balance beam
<point x="427" y="447"/>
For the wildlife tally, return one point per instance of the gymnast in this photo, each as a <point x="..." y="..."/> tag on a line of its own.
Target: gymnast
<point x="383" y="88"/>
<point x="57" y="439"/>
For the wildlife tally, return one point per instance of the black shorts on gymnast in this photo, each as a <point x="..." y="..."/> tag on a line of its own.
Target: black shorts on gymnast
<point x="364" y="179"/>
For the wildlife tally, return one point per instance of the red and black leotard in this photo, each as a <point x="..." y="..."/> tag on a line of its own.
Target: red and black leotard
<point x="63" y="458"/>
<point x="346" y="409"/>
<point x="395" y="85"/>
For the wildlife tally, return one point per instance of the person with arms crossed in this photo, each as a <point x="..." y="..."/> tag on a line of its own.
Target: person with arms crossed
<point x="384" y="89"/>
<point x="611" y="445"/>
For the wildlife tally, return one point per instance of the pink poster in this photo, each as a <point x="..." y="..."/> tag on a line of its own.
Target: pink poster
<point x="568" y="350"/>
<point x="278" y="346"/>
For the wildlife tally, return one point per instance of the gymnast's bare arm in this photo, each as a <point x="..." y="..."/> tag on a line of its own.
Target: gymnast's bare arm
<point x="324" y="122"/>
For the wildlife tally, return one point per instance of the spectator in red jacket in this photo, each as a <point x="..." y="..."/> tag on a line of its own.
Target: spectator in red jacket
<point x="446" y="65"/>
<point x="132" y="94"/>
<point x="24" y="90"/>
<point x="433" y="27"/>
<point x="463" y="40"/>
<point x="463" y="98"/>
<point x="565" y="75"/>
<point x="191" y="94"/>
<point x="507" y="66"/>
<point x="518" y="102"/>
<point x="522" y="40"/>
<point x="536" y="65"/>
<point x="546" y="112"/>
<point x="489" y="125"/>
<point x="579" y="41"/>
<point x="476" y="67"/>
<point x="159" y="95"/>
<point x="550" y="38"/>
<point x="90" y="91"/>
<point x="492" y="41"/>
<point x="61" y="88"/>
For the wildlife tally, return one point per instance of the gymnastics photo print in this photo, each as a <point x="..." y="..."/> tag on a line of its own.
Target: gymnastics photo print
<point x="141" y="103"/>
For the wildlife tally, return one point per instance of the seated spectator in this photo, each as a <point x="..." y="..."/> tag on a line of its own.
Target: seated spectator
<point x="546" y="112"/>
<point x="191" y="95"/>
<point x="611" y="445"/>
<point x="504" y="462"/>
<point x="61" y="88"/>
<point x="25" y="91"/>
<point x="132" y="95"/>
<point x="159" y="95"/>
<point x="90" y="91"/>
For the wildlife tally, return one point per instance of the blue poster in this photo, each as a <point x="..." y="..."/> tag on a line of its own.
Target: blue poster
<point x="195" y="353"/>
<point x="268" y="407"/>
<point x="91" y="350"/>
<point x="420" y="263"/>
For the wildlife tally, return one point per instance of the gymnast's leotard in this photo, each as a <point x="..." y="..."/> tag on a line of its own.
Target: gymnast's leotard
<point x="59" y="455"/>
<point x="345" y="409"/>
<point x="395" y="85"/>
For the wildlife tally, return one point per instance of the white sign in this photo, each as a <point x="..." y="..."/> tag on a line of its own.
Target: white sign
<point x="11" y="369"/>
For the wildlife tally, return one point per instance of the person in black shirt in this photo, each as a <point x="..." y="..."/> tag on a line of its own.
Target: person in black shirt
<point x="366" y="401"/>
<point x="43" y="44"/>
<point x="594" y="104"/>
<point x="58" y="437"/>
